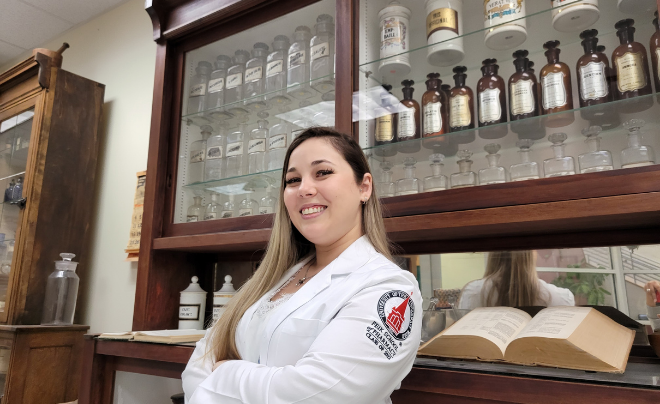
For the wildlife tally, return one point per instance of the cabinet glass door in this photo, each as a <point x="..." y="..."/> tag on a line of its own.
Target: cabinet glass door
<point x="501" y="129"/>
<point x="245" y="98"/>
<point x="14" y="145"/>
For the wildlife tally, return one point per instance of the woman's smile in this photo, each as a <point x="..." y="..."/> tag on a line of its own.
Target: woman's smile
<point x="310" y="211"/>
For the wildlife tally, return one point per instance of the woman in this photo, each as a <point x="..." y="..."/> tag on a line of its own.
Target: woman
<point x="511" y="281"/>
<point x="652" y="291"/>
<point x="327" y="317"/>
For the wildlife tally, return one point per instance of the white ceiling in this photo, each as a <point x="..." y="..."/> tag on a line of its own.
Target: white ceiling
<point x="28" y="24"/>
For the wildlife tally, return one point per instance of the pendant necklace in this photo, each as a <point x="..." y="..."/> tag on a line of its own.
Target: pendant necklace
<point x="304" y="278"/>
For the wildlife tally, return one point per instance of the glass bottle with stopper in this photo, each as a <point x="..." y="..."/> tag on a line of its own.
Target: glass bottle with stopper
<point x="298" y="73"/>
<point x="556" y="90"/>
<point x="593" y="72"/>
<point x="198" y="88"/>
<point x="386" y="187"/>
<point x="257" y="146"/>
<point x="494" y="173"/>
<point x="522" y="89"/>
<point x="216" y="89"/>
<point x="491" y="99"/>
<point x="236" y="155"/>
<point x="464" y="177"/>
<point x="409" y="184"/>
<point x="248" y="206"/>
<point x="461" y="105"/>
<point x="268" y="203"/>
<point x="195" y="211"/>
<point x="228" y="208"/>
<point x="254" y="82"/>
<point x="596" y="159"/>
<point x="61" y="292"/>
<point x="278" y="141"/>
<point x="277" y="64"/>
<point x="234" y="83"/>
<point x="636" y="154"/>
<point x="629" y="60"/>
<point x="436" y="181"/>
<point x="654" y="48"/>
<point x="386" y="120"/>
<point x="408" y="125"/>
<point x="213" y="209"/>
<point x="526" y="169"/>
<point x="435" y="113"/>
<point x="213" y="164"/>
<point x="322" y="54"/>
<point x="560" y="164"/>
<point x="198" y="156"/>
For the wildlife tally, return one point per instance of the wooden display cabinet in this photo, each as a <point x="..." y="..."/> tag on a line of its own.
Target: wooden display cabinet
<point x="49" y="136"/>
<point x="618" y="207"/>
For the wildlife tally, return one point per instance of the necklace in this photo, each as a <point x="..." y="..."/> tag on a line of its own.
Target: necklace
<point x="304" y="278"/>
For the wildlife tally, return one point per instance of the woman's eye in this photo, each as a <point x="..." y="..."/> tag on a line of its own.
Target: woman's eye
<point x="292" y="180"/>
<point x="324" y="172"/>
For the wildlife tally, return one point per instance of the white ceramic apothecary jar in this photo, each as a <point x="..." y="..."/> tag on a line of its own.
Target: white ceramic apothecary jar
<point x="572" y="16"/>
<point x="192" y="306"/>
<point x="505" y="23"/>
<point x="443" y="28"/>
<point x="222" y="297"/>
<point x="394" y="39"/>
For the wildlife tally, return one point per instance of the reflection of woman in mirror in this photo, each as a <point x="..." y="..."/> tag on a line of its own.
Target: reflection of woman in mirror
<point x="510" y="280"/>
<point x="652" y="289"/>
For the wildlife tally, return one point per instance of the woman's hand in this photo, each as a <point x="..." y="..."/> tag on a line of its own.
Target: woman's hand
<point x="217" y="364"/>
<point x="651" y="288"/>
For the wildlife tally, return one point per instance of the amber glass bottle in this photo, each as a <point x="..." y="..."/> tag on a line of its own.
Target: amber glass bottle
<point x="632" y="71"/>
<point x="409" y="127"/>
<point x="435" y="112"/>
<point x="461" y="107"/>
<point x="386" y="120"/>
<point x="491" y="99"/>
<point x="523" y="97"/>
<point x="592" y="71"/>
<point x="654" y="47"/>
<point x="556" y="90"/>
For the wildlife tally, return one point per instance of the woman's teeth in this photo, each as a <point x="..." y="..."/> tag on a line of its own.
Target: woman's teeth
<point x="315" y="209"/>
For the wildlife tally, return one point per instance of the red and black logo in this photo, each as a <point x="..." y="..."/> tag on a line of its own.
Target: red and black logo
<point x="396" y="311"/>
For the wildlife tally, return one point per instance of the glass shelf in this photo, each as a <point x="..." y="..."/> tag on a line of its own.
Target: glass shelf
<point x="613" y="138"/>
<point x="239" y="185"/>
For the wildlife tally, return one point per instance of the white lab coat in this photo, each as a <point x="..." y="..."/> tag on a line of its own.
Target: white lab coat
<point x="553" y="295"/>
<point x="329" y="343"/>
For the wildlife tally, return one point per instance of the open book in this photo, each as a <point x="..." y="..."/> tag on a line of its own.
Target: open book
<point x="566" y="337"/>
<point x="163" y="336"/>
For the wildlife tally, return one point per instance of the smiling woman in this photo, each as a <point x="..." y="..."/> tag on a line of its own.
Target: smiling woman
<point x="327" y="311"/>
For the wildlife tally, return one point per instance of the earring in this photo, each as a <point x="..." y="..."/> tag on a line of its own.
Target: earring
<point x="364" y="201"/>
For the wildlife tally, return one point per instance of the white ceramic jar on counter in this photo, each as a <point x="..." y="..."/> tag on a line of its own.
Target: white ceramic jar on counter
<point x="192" y="306"/>
<point x="572" y="16"/>
<point x="510" y="13"/>
<point x="222" y="297"/>
<point x="443" y="28"/>
<point x="394" y="39"/>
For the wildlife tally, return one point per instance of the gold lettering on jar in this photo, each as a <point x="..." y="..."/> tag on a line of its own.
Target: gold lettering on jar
<point x="594" y="81"/>
<point x="630" y="72"/>
<point x="384" y="131"/>
<point x="441" y="19"/>
<point x="522" y="97"/>
<point x="554" y="92"/>
<point x="459" y="114"/>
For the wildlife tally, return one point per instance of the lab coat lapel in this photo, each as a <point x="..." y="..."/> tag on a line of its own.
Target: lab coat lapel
<point x="354" y="257"/>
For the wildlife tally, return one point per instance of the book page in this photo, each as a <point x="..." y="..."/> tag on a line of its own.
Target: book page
<point x="555" y="322"/>
<point x="499" y="325"/>
<point x="171" y="333"/>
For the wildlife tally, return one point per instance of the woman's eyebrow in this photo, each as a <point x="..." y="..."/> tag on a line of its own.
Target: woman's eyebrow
<point x="314" y="163"/>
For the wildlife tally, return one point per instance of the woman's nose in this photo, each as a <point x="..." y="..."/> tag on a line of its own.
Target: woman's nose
<point x="307" y="188"/>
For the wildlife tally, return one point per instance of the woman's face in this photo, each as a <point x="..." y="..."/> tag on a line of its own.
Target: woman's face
<point x="321" y="195"/>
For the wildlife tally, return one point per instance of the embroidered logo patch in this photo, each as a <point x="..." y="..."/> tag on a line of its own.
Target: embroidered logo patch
<point x="396" y="311"/>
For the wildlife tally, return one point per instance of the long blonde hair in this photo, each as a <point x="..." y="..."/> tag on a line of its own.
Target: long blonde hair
<point x="287" y="246"/>
<point x="514" y="280"/>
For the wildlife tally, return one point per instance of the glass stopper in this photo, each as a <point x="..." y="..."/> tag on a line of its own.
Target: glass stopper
<point x="324" y="18"/>
<point x="464" y="154"/>
<point x="206" y="129"/>
<point x="524" y="144"/>
<point x="436" y="158"/>
<point x="634" y="125"/>
<point x="409" y="161"/>
<point x="386" y="165"/>
<point x="557" y="138"/>
<point x="303" y="28"/>
<point x="592" y="131"/>
<point x="67" y="256"/>
<point x="492" y="148"/>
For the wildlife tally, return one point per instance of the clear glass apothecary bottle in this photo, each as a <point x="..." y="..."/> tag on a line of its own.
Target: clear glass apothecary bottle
<point x="61" y="293"/>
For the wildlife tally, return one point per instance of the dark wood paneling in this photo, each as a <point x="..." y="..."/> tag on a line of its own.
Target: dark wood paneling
<point x="230" y="242"/>
<point x="144" y="350"/>
<point x="221" y="226"/>
<point x="346" y="35"/>
<point x="157" y="368"/>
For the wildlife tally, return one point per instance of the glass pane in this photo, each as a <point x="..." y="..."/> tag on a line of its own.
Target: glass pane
<point x="15" y="135"/>
<point x="245" y="99"/>
<point x="5" y="354"/>
<point x="641" y="264"/>
<point x="463" y="133"/>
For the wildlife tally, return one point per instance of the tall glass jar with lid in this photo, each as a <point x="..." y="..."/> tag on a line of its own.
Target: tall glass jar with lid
<point x="322" y="54"/>
<point x="298" y="72"/>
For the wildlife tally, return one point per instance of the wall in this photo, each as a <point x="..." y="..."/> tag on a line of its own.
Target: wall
<point x="116" y="49"/>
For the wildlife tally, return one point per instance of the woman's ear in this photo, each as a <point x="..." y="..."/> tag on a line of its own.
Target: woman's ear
<point x="366" y="187"/>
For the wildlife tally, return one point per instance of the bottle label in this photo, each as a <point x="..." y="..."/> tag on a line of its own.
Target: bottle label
<point x="191" y="218"/>
<point x="210" y="216"/>
<point x="554" y="92"/>
<point x="490" y="109"/>
<point x="214" y="152"/>
<point x="234" y="80"/>
<point x="630" y="72"/>
<point x="296" y="58"/>
<point x="393" y="36"/>
<point x="522" y="97"/>
<point x="499" y="11"/>
<point x="407" y="193"/>
<point x="265" y="210"/>
<point x="460" y="111"/>
<point x="234" y="149"/>
<point x="225" y="214"/>
<point x="593" y="80"/>
<point x="319" y="51"/>
<point x="256" y="145"/>
<point x="197" y="90"/>
<point x="441" y="19"/>
<point x="277" y="142"/>
<point x="407" y="125"/>
<point x="218" y="309"/>
<point x="244" y="212"/>
<point x="384" y="132"/>
<point x="189" y="312"/>
<point x="216" y="85"/>
<point x="274" y="68"/>
<point x="253" y="74"/>
<point x="197" y="156"/>
<point x="432" y="118"/>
